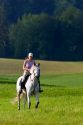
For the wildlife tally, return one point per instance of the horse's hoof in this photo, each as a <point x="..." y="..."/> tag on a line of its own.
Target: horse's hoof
<point x="18" y="108"/>
<point x="40" y="90"/>
<point x="36" y="106"/>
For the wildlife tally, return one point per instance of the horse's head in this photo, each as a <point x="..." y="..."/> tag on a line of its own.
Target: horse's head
<point x="35" y="69"/>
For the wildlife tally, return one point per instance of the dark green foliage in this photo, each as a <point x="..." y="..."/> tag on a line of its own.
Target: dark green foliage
<point x="51" y="29"/>
<point x="4" y="43"/>
<point x="33" y="33"/>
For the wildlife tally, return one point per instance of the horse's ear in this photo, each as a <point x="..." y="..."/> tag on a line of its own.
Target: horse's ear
<point x="34" y="63"/>
<point x="38" y="64"/>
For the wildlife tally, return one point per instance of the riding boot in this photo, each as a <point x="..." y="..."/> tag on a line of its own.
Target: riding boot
<point x="24" y="82"/>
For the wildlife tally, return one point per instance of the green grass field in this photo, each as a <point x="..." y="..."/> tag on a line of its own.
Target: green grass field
<point x="61" y="102"/>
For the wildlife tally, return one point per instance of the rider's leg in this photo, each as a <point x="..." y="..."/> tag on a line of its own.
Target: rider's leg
<point x="24" y="75"/>
<point x="37" y="100"/>
<point x="24" y="79"/>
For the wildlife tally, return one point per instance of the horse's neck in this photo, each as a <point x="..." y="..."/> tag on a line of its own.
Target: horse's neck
<point x="32" y="70"/>
<point x="32" y="76"/>
<point x="32" y="79"/>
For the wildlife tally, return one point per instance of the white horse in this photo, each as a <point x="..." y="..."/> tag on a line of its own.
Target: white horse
<point x="32" y="86"/>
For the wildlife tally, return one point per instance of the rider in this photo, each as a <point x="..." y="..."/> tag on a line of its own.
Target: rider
<point x="28" y="62"/>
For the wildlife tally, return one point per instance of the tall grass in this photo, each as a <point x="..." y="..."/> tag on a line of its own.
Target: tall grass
<point x="61" y="102"/>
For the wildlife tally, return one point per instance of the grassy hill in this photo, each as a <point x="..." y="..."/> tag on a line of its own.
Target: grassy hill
<point x="13" y="67"/>
<point x="61" y="102"/>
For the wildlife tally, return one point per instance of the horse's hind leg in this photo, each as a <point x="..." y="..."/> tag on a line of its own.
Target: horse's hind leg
<point x="18" y="95"/>
<point x="37" y="100"/>
<point x="25" y="99"/>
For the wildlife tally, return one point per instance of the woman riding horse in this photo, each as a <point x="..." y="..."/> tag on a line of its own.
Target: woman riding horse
<point x="31" y="85"/>
<point x="28" y="63"/>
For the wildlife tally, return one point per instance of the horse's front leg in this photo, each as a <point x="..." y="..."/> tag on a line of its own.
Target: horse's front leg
<point x="18" y="96"/>
<point x="37" y="99"/>
<point x="28" y="99"/>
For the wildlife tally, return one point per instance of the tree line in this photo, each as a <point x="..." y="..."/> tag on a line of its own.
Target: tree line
<point x="51" y="29"/>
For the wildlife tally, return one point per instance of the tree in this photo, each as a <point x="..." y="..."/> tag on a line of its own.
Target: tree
<point x="70" y="26"/>
<point x="34" y="33"/>
<point x="17" y="8"/>
<point x="4" y="44"/>
<point x="79" y="4"/>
